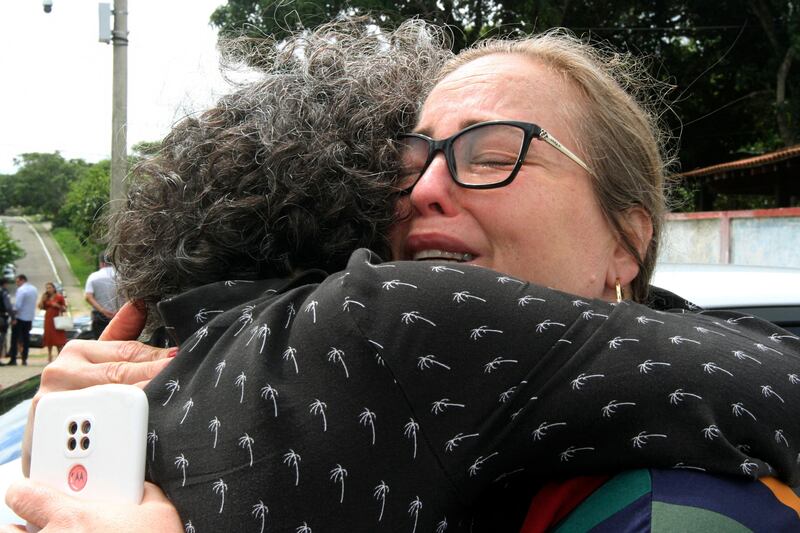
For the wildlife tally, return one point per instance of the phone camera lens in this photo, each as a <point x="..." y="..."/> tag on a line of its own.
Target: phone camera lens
<point x="86" y="426"/>
<point x="85" y="443"/>
<point x="71" y="443"/>
<point x="73" y="427"/>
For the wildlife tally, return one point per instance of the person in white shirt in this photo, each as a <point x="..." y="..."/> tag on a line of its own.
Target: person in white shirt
<point x="101" y="293"/>
<point x="24" y="310"/>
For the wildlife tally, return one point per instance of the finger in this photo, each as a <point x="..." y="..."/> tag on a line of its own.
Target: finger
<point x="107" y="351"/>
<point x="153" y="494"/>
<point x="33" y="501"/>
<point x="12" y="528"/>
<point x="127" y="324"/>
<point x="122" y="372"/>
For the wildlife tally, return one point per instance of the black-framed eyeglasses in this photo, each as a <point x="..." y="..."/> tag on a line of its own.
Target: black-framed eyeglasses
<point x="486" y="155"/>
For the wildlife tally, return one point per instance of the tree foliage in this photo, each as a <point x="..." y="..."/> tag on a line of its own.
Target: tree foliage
<point x="10" y="250"/>
<point x="86" y="200"/>
<point x="41" y="183"/>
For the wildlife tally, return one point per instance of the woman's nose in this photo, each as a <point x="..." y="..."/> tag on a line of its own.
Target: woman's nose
<point x="434" y="191"/>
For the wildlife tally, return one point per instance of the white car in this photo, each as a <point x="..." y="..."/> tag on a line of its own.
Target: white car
<point x="770" y="293"/>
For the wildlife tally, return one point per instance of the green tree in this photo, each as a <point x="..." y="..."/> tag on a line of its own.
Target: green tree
<point x="86" y="200"/>
<point x="10" y="250"/>
<point x="42" y="182"/>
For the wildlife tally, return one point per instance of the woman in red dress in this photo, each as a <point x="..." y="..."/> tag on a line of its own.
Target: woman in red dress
<point x="53" y="305"/>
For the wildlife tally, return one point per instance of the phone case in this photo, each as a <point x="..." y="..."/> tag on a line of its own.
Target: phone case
<point x="91" y="443"/>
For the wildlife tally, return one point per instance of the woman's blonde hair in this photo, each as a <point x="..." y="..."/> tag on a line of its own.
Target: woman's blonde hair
<point x="619" y="131"/>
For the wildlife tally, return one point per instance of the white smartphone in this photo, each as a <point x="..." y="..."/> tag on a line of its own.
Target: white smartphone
<point x="91" y="443"/>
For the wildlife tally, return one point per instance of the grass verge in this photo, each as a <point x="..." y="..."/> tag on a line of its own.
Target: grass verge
<point x="82" y="258"/>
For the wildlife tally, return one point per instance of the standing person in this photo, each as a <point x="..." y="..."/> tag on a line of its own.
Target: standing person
<point x="101" y="293"/>
<point x="24" y="310"/>
<point x="6" y="312"/>
<point x="53" y="305"/>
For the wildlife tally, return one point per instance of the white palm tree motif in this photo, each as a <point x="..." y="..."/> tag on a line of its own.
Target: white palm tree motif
<point x="463" y="296"/>
<point x="202" y="315"/>
<point x="777" y="338"/>
<point x="218" y="369"/>
<point x="268" y="393"/>
<point x="767" y="391"/>
<point x="565" y="341"/>
<point x="506" y="395"/>
<point x="502" y="280"/>
<point x="199" y="335"/>
<point x="738" y="408"/>
<point x="424" y="362"/>
<point x="335" y="356"/>
<point x="290" y="354"/>
<point x="706" y="331"/>
<point x="580" y="381"/>
<point x="579" y="303"/>
<point x="476" y="466"/>
<point x="152" y="438"/>
<point x="292" y="459"/>
<point x="213" y="425"/>
<point x="188" y="527"/>
<point x="240" y="381"/>
<point x="181" y="463"/>
<point x="456" y="440"/>
<point x="723" y="326"/>
<point x="318" y="407"/>
<point x="794" y="379"/>
<point x="393" y="284"/>
<point x="259" y="332"/>
<point x="611" y="408"/>
<point x="641" y="439"/>
<point x="410" y="432"/>
<point x="260" y="512"/>
<point x="712" y="367"/>
<point x="379" y="493"/>
<point x="440" y="406"/>
<point x="480" y="331"/>
<point x="644" y="320"/>
<point x="412" y="316"/>
<point x="736" y="320"/>
<point x="305" y="527"/>
<point x="413" y="510"/>
<point x="172" y="386"/>
<point x="765" y="348"/>
<point x="348" y="301"/>
<point x="616" y="342"/>
<point x="677" y="339"/>
<point x="541" y="432"/>
<point x="569" y="453"/>
<point x="687" y="467"/>
<point x="312" y="308"/>
<point x="507" y="474"/>
<point x="245" y="319"/>
<point x="748" y="466"/>
<point x="188" y="405"/>
<point x="740" y="355"/>
<point x="780" y="437"/>
<point x="378" y="357"/>
<point x="220" y="487"/>
<point x="290" y="312"/>
<point x="525" y="300"/>
<point x="590" y="314"/>
<point x="648" y="365"/>
<point x="367" y="418"/>
<point x="337" y="476"/>
<point x="246" y="441"/>
<point x="233" y="282"/>
<point x="677" y="397"/>
<point x="544" y="326"/>
<point x="440" y="268"/>
<point x="495" y="363"/>
<point x="441" y="527"/>
<point x="711" y="432"/>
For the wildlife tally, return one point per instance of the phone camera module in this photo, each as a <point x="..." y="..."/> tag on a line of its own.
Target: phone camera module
<point x="73" y="427"/>
<point x="72" y="444"/>
<point x="85" y="443"/>
<point x="86" y="426"/>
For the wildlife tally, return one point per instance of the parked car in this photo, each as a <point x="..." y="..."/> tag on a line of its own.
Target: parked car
<point x="81" y="329"/>
<point x="10" y="272"/>
<point x="770" y="293"/>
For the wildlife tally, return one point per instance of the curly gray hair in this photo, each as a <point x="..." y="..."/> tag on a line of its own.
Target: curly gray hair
<point x="293" y="170"/>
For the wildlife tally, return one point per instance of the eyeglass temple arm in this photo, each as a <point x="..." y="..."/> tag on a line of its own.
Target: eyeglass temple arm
<point x="549" y="139"/>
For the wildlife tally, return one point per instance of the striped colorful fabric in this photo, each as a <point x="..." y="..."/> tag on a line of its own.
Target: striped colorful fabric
<point x="660" y="501"/>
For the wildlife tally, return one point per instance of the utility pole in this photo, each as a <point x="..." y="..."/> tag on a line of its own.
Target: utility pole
<point x="119" y="112"/>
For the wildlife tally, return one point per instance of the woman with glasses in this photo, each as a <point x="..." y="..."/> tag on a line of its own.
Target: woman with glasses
<point x="508" y="346"/>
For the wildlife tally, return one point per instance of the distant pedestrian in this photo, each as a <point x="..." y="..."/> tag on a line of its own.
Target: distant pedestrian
<point x="6" y="314"/>
<point x="53" y="304"/>
<point x="24" y="310"/>
<point x="101" y="293"/>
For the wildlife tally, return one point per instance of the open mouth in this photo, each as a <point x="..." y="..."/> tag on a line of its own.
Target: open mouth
<point x="441" y="255"/>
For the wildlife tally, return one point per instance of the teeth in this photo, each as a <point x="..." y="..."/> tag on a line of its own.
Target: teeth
<point x="440" y="254"/>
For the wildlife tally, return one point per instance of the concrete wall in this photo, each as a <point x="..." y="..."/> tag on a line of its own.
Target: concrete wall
<point x="769" y="237"/>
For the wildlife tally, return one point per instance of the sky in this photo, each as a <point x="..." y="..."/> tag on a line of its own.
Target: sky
<point x="55" y="75"/>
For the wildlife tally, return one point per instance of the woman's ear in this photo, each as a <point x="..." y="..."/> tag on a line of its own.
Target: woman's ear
<point x="638" y="226"/>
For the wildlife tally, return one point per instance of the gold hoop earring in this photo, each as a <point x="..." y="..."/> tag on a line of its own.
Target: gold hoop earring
<point x="619" y="291"/>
